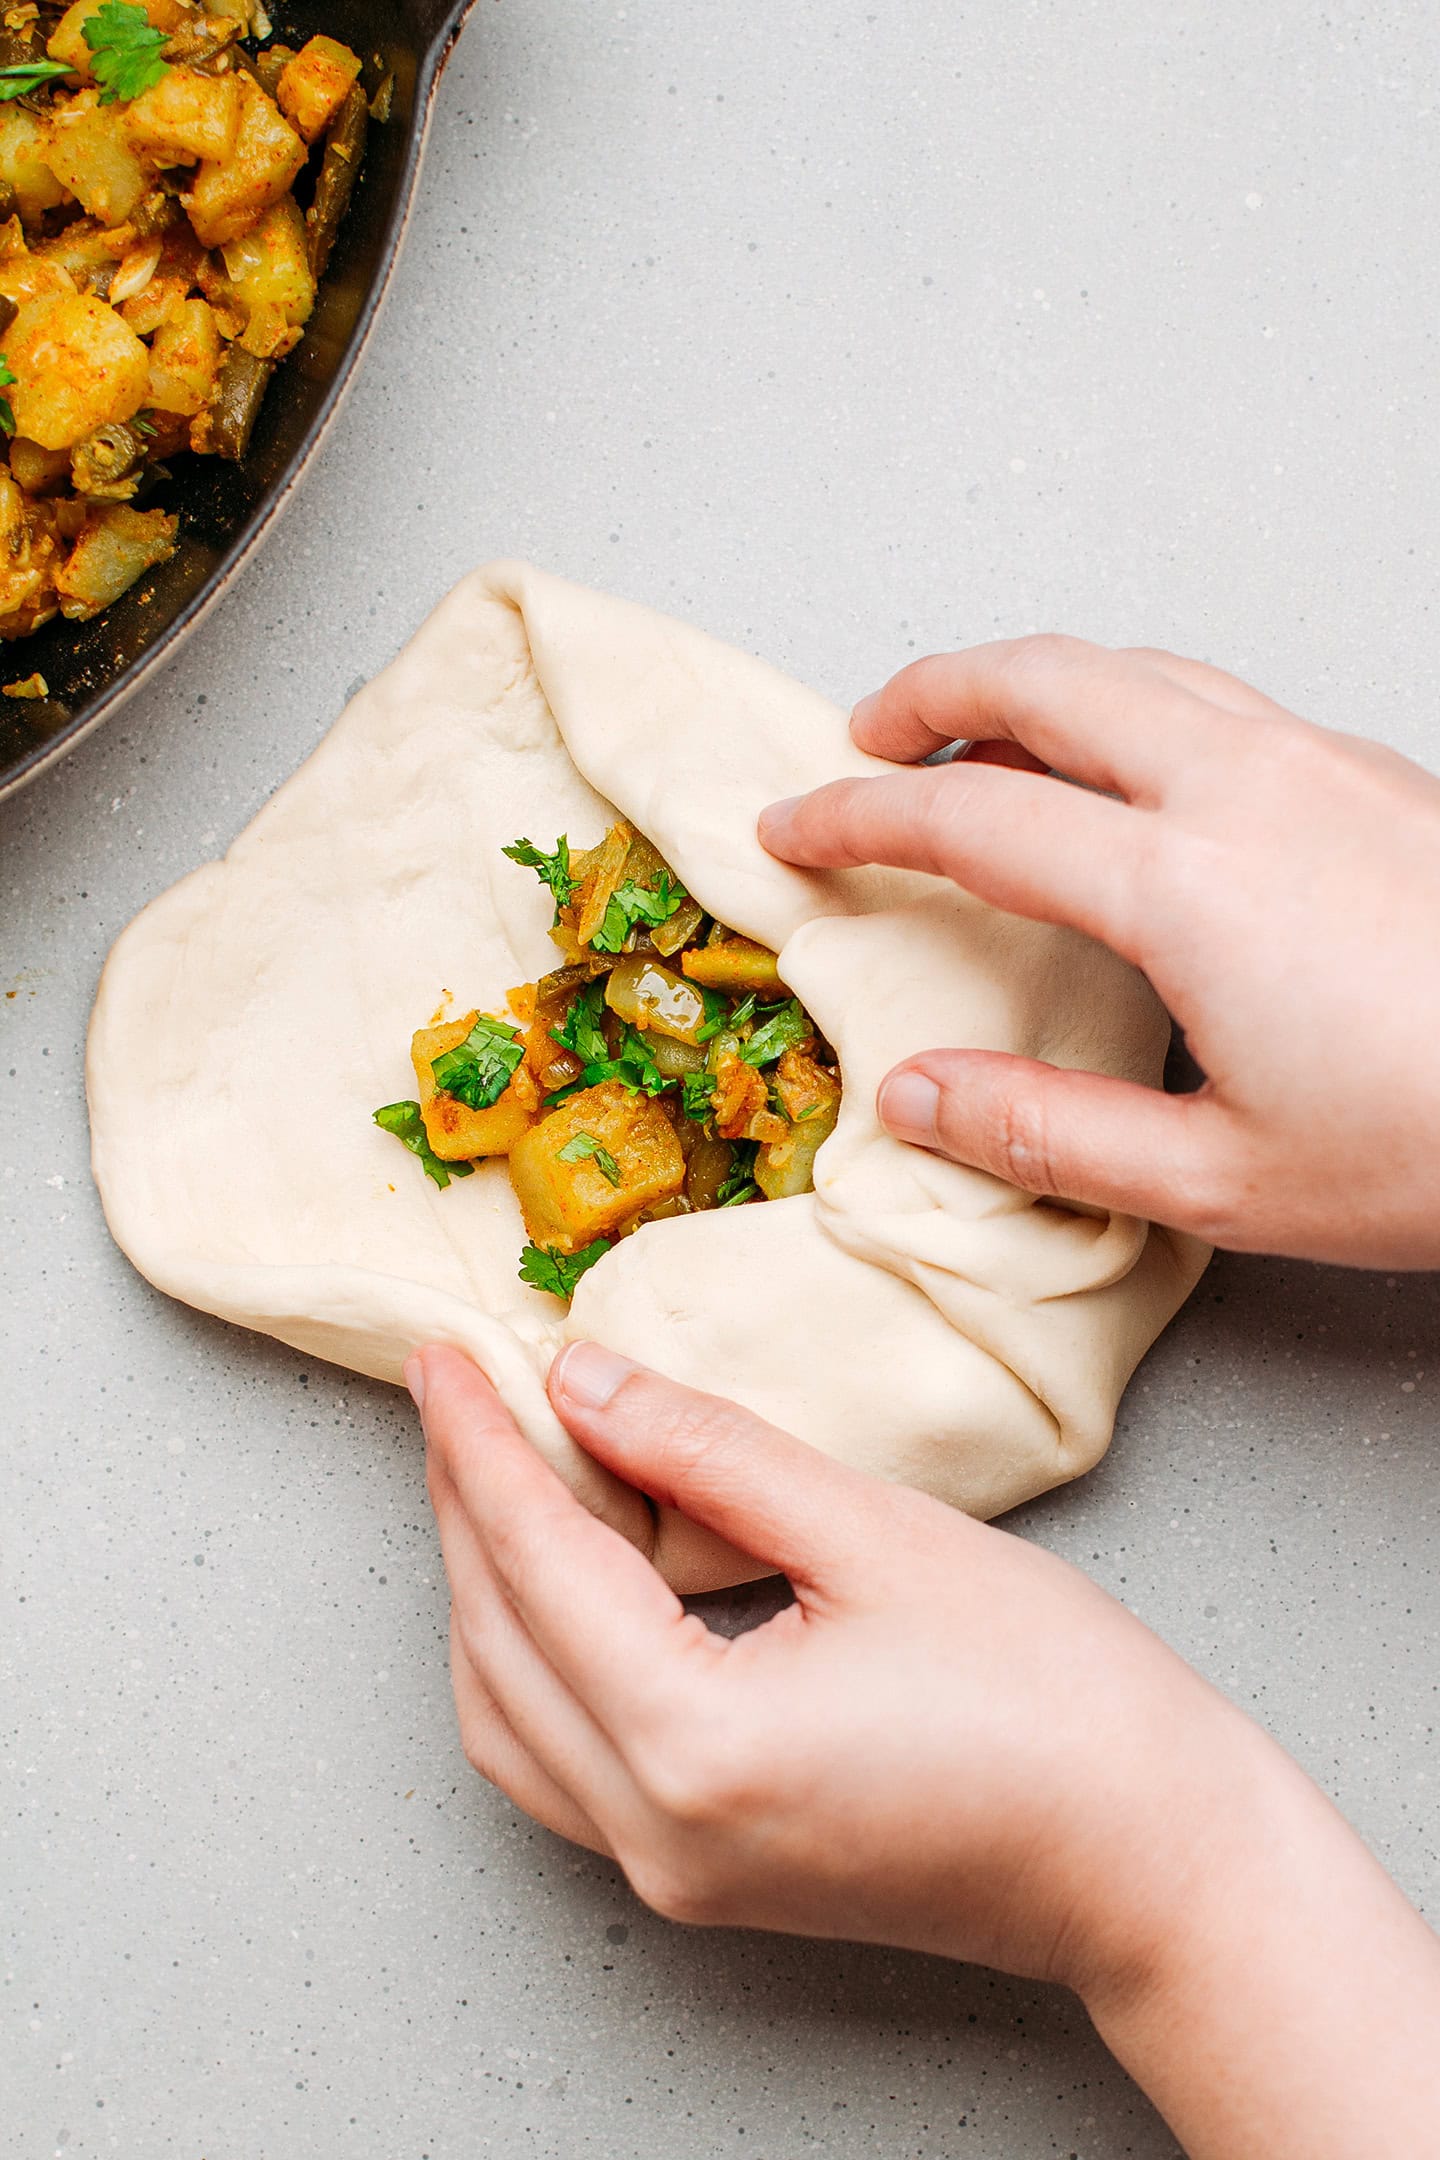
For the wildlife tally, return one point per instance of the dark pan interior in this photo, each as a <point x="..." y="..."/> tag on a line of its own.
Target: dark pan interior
<point x="222" y="507"/>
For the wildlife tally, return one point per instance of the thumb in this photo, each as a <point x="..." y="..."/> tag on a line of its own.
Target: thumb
<point x="1067" y="1135"/>
<point x="774" y="1496"/>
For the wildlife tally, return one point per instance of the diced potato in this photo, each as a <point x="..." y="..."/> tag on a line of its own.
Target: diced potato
<point x="117" y="546"/>
<point x="88" y="150"/>
<point x="23" y="169"/>
<point x="67" y="42"/>
<point x="77" y="366"/>
<point x="186" y="116"/>
<point x="810" y="1097"/>
<point x="85" y="252"/>
<point x="181" y="257"/>
<point x="316" y="83"/>
<point x="569" y="1204"/>
<point x="184" y="359"/>
<point x="37" y="470"/>
<point x="33" y="277"/>
<point x="456" y="1132"/>
<point x="737" y="965"/>
<point x="651" y="996"/>
<point x="230" y="196"/>
<point x="29" y="556"/>
<point x="268" y="267"/>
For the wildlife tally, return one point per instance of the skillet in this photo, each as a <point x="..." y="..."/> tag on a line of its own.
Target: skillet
<point x="225" y="510"/>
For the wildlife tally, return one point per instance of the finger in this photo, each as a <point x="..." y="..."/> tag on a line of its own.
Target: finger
<point x="495" y="1749"/>
<point x="1114" y="720"/>
<point x="555" y="1729"/>
<point x="1013" y="754"/>
<point x="1066" y="1135"/>
<point x="593" y="1606"/>
<point x="1024" y="842"/>
<point x="763" y="1490"/>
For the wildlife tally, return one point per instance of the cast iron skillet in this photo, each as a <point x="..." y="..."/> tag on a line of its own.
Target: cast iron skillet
<point x="225" y="509"/>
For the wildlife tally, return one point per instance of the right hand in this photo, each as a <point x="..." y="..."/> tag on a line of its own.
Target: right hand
<point x="1278" y="883"/>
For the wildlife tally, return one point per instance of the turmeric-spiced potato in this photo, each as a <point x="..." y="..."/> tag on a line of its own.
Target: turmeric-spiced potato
<point x="571" y="1191"/>
<point x="456" y="1132"/>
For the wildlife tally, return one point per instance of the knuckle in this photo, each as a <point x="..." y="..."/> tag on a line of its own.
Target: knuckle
<point x="1042" y="655"/>
<point x="699" y="1438"/>
<point x="1021" y="1138"/>
<point x="697" y="1779"/>
<point x="680" y="1887"/>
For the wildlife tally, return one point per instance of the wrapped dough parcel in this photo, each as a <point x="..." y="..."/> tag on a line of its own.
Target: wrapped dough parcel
<point x="921" y="1320"/>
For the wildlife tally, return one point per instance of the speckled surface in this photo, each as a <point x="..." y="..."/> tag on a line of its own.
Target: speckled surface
<point x="848" y="333"/>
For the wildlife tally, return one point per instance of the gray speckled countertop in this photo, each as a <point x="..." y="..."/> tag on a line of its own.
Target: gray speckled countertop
<point x="846" y="332"/>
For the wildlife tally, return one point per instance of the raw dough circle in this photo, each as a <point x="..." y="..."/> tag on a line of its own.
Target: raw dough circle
<point x="923" y="1321"/>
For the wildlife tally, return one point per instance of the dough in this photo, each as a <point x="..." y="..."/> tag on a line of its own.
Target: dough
<point x="921" y="1320"/>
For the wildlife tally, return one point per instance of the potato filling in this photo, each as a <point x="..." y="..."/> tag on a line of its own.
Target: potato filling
<point x="662" y="1069"/>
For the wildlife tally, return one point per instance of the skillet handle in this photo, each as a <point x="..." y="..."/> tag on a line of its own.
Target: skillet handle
<point x="440" y="23"/>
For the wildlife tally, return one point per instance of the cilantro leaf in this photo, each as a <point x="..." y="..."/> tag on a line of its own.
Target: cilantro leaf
<point x="544" y="1267"/>
<point x="738" y="1184"/>
<point x="784" y="1027"/>
<point x="698" y="1095"/>
<point x="580" y="1029"/>
<point x="127" y="50"/>
<point x="478" y="1070"/>
<point x="7" y="417"/>
<point x="630" y="904"/>
<point x="552" y="870"/>
<point x="28" y="75"/>
<point x="403" y="1119"/>
<point x="586" y="1148"/>
<point x="717" y="1014"/>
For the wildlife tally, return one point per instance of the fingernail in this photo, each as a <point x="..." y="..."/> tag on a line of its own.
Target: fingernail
<point x="776" y="814"/>
<point x="589" y="1375"/>
<point x="909" y="1105"/>
<point x="414" y="1375"/>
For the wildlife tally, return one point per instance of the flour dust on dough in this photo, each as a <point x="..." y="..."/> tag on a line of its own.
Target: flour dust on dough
<point x="921" y="1320"/>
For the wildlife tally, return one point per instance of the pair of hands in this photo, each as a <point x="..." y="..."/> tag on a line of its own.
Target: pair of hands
<point x="953" y="1741"/>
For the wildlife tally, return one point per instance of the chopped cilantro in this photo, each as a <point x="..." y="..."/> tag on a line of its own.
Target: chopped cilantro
<point x="586" y="1148"/>
<point x="7" y="417"/>
<point x="783" y="1027"/>
<point x="127" y="50"/>
<point x="580" y="1029"/>
<point x="478" y="1071"/>
<point x="630" y="904"/>
<point x="403" y="1119"/>
<point x="546" y="1268"/>
<point x="552" y="870"/>
<point x="738" y="1184"/>
<point x="28" y="75"/>
<point x="717" y="1015"/>
<point x="698" y="1094"/>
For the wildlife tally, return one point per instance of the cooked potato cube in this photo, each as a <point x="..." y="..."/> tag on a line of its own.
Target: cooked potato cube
<point x="33" y="277"/>
<point x="117" y="545"/>
<point x="77" y="367"/>
<point x="23" y="169"/>
<point x="567" y="1204"/>
<point x="67" y="42"/>
<point x="230" y="196"/>
<point x="268" y="267"/>
<point x="810" y="1097"/>
<point x="316" y="83"/>
<point x="186" y="116"/>
<point x="85" y="251"/>
<point x="456" y="1132"/>
<point x="184" y="359"/>
<point x="738" y="964"/>
<point x="29" y="556"/>
<point x="38" y="471"/>
<point x="88" y="151"/>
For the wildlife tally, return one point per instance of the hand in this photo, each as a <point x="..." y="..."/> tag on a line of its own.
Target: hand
<point x="1279" y="885"/>
<point x="952" y="1741"/>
